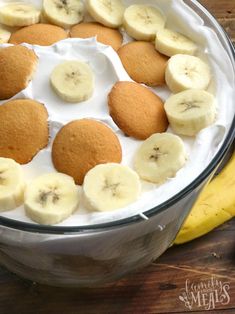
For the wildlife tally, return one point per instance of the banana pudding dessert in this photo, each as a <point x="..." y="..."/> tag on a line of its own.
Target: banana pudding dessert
<point x="116" y="108"/>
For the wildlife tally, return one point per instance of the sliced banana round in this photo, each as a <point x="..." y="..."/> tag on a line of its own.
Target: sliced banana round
<point x="106" y="12"/>
<point x="111" y="186"/>
<point x="170" y="43"/>
<point x="190" y="111"/>
<point x="187" y="72"/>
<point x="19" y="14"/>
<point x="64" y="13"/>
<point x="160" y="157"/>
<point x="51" y="198"/>
<point x="142" y="21"/>
<point x="4" y="35"/>
<point x="11" y="184"/>
<point x="73" y="81"/>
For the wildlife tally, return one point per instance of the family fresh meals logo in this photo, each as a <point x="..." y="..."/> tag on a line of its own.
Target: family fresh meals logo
<point x="206" y="294"/>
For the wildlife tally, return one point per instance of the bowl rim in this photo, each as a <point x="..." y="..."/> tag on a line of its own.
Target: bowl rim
<point x="47" y="229"/>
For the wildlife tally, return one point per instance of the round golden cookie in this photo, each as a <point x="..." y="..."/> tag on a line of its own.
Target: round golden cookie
<point x="17" y="66"/>
<point x="105" y="35"/>
<point x="23" y="129"/>
<point x="38" y="34"/>
<point x="81" y="145"/>
<point x="136" y="110"/>
<point x="143" y="63"/>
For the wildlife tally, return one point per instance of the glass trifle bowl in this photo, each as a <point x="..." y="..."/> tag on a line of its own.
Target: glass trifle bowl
<point x="103" y="250"/>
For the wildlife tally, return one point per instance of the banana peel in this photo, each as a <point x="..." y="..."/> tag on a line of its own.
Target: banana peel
<point x="215" y="205"/>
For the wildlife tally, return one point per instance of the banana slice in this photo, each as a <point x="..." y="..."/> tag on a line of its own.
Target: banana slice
<point x="51" y="198"/>
<point x="4" y="35"/>
<point x="111" y="186"/>
<point x="64" y="13"/>
<point x="171" y="43"/>
<point x="190" y="111"/>
<point x="187" y="72"/>
<point x="142" y="21"/>
<point x="107" y="12"/>
<point x="73" y="81"/>
<point x="160" y="157"/>
<point x="19" y="14"/>
<point x="11" y="184"/>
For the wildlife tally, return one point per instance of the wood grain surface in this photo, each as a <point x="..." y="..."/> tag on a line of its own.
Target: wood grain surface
<point x="157" y="288"/>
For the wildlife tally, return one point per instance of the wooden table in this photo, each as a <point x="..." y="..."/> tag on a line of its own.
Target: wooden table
<point x="159" y="287"/>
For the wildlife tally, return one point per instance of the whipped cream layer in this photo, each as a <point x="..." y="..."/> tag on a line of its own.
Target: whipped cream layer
<point x="108" y="69"/>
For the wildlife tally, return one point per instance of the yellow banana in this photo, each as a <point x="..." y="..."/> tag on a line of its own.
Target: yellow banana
<point x="215" y="205"/>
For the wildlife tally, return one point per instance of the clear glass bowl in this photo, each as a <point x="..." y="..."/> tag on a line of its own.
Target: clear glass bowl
<point x="95" y="255"/>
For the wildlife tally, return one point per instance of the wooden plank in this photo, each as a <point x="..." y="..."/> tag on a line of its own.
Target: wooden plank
<point x="224" y="11"/>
